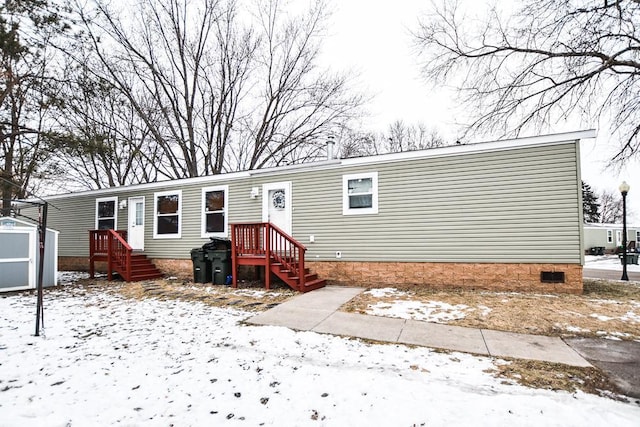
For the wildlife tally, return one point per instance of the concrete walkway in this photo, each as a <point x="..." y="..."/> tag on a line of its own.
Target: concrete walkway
<point x="317" y="311"/>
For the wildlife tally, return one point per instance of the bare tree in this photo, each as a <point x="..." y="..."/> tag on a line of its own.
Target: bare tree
<point x="398" y="138"/>
<point x="610" y="207"/>
<point x="552" y="60"/>
<point x="298" y="103"/>
<point x="214" y="91"/>
<point x="105" y="143"/>
<point x="182" y="67"/>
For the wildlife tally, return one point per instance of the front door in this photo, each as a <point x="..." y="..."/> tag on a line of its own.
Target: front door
<point x="276" y="205"/>
<point x="136" y="223"/>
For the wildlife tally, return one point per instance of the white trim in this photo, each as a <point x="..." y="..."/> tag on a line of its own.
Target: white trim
<point x="452" y="150"/>
<point x="115" y="210"/>
<point x="144" y="219"/>
<point x="609" y="236"/>
<point x="346" y="210"/>
<point x="288" y="202"/>
<point x="225" y="212"/>
<point x="178" y="235"/>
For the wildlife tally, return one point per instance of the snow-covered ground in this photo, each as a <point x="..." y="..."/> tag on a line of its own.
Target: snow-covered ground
<point x="105" y="360"/>
<point x="607" y="262"/>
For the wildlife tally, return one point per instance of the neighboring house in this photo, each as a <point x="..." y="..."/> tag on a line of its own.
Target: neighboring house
<point x="500" y="215"/>
<point x="608" y="236"/>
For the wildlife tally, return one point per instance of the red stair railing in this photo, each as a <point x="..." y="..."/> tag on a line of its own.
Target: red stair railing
<point x="268" y="243"/>
<point x="110" y="246"/>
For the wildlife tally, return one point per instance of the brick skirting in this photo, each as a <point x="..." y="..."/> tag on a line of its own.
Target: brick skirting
<point x="489" y="276"/>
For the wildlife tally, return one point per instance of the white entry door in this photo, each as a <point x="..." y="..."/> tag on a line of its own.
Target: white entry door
<point x="276" y="205"/>
<point x="136" y="223"/>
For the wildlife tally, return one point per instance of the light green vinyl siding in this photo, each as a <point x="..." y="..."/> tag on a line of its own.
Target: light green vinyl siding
<point x="515" y="205"/>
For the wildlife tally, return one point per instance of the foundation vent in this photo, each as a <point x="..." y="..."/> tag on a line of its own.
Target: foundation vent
<point x="552" y="276"/>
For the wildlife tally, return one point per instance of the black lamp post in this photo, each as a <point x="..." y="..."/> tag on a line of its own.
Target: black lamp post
<point x="624" y="189"/>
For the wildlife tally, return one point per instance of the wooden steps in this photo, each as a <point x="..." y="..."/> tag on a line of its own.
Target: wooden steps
<point x="311" y="280"/>
<point x="264" y="244"/>
<point x="143" y="269"/>
<point x="110" y="246"/>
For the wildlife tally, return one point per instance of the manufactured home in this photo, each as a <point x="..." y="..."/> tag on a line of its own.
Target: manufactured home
<point x="607" y="238"/>
<point x="493" y="215"/>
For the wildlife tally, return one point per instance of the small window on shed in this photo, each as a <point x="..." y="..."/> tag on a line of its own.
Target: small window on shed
<point x="360" y="194"/>
<point x="552" y="276"/>
<point x="106" y="213"/>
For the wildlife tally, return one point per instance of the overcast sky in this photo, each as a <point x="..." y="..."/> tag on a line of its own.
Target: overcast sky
<point x="373" y="39"/>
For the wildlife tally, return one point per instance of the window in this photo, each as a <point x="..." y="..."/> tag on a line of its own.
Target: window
<point x="609" y="236"/>
<point x="214" y="211"/>
<point x="618" y="237"/>
<point x="360" y="194"/>
<point x="168" y="208"/>
<point x="637" y="238"/>
<point x="106" y="213"/>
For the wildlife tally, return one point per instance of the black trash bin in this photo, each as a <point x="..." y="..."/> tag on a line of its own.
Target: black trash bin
<point x="201" y="266"/>
<point x="219" y="255"/>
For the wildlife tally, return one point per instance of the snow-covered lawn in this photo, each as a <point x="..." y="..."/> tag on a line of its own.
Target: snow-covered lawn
<point x="607" y="262"/>
<point x="106" y="360"/>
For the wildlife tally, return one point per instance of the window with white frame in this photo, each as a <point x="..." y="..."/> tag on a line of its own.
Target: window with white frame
<point x="168" y="214"/>
<point x="214" y="211"/>
<point x="618" y="237"/>
<point x="360" y="194"/>
<point x="609" y="236"/>
<point x="637" y="238"/>
<point x="106" y="213"/>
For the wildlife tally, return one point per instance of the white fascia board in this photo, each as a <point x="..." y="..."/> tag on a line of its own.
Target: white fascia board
<point x="476" y="147"/>
<point x="451" y="150"/>
<point x="168" y="184"/>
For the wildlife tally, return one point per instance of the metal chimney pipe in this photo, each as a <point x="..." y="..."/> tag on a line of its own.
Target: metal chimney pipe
<point x="330" y="145"/>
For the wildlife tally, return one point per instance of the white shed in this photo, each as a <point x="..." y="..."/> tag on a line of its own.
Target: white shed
<point x="20" y="255"/>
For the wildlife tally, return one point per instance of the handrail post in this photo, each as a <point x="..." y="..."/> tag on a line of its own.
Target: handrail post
<point x="92" y="251"/>
<point x="109" y="256"/>
<point x="267" y="244"/>
<point x="301" y="267"/>
<point x="234" y="259"/>
<point x="129" y="272"/>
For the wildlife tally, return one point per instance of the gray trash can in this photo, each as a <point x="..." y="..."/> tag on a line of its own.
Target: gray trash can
<point x="201" y="266"/>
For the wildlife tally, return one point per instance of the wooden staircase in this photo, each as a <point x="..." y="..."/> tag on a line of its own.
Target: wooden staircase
<point x="111" y="246"/>
<point x="264" y="244"/>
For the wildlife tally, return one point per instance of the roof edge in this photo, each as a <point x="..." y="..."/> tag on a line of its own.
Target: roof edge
<point x="449" y="150"/>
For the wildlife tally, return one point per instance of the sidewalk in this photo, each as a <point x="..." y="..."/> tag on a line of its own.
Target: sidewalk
<point x="317" y="311"/>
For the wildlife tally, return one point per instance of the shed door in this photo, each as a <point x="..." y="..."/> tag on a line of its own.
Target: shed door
<point x="17" y="259"/>
<point x="276" y="205"/>
<point x="136" y="223"/>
